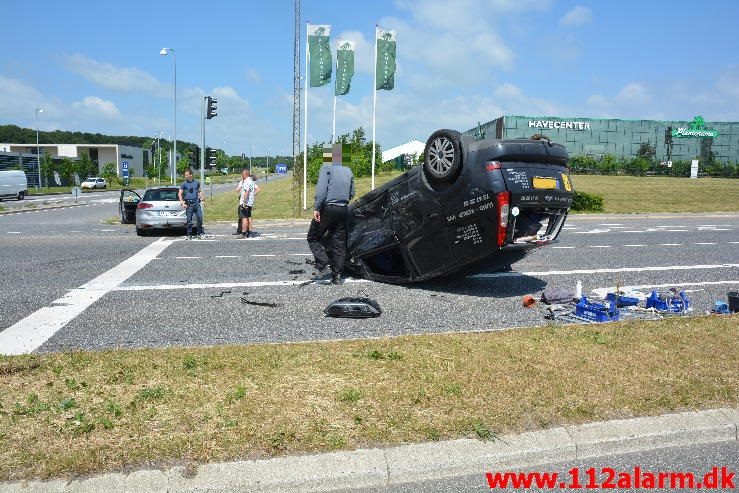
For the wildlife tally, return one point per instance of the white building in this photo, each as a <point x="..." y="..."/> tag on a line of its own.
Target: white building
<point x="100" y="154"/>
<point x="414" y="147"/>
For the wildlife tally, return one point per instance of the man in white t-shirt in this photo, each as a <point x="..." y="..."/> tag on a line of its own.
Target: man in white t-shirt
<point x="249" y="190"/>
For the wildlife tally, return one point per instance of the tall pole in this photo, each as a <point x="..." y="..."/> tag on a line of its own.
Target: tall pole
<point x="374" y="110"/>
<point x="333" y="127"/>
<point x="296" y="107"/>
<point x="38" y="149"/>
<point x="202" y="152"/>
<point x="174" y="168"/>
<point x="269" y="151"/>
<point x="251" y="150"/>
<point x="159" y="155"/>
<point x="164" y="52"/>
<point x="336" y="81"/>
<point x="305" y="133"/>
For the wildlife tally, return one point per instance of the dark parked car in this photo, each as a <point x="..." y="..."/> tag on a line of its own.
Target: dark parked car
<point x="473" y="206"/>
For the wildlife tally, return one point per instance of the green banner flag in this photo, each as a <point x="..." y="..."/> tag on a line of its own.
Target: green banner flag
<point x="385" y="69"/>
<point x="344" y="67"/>
<point x="319" y="53"/>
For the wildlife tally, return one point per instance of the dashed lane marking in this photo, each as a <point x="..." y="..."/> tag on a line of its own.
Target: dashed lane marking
<point x="184" y="258"/>
<point x="605" y="271"/>
<point x="562" y="247"/>
<point x="599" y="246"/>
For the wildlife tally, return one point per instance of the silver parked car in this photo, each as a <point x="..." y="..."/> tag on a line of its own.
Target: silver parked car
<point x="159" y="209"/>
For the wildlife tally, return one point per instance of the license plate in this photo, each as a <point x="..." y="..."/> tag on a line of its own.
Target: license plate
<point x="543" y="183"/>
<point x="167" y="213"/>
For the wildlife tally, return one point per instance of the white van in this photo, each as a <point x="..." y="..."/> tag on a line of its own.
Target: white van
<point x="13" y="184"/>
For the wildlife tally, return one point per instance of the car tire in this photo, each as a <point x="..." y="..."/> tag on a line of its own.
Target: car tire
<point x="443" y="156"/>
<point x="140" y="232"/>
<point x="21" y="196"/>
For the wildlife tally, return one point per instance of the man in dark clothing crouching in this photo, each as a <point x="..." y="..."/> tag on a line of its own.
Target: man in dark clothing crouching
<point x="334" y="190"/>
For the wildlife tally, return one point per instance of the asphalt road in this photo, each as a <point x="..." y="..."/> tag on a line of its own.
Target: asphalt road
<point x="191" y="293"/>
<point x="698" y="460"/>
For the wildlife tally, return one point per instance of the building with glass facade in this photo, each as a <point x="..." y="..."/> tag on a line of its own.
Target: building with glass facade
<point x="673" y="140"/>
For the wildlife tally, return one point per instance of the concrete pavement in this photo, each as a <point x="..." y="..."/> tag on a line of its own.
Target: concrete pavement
<point x="427" y="463"/>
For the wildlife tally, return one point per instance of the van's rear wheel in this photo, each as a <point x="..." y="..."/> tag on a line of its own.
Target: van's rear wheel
<point x="21" y="195"/>
<point x="443" y="156"/>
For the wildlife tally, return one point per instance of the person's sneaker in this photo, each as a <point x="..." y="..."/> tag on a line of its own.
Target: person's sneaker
<point x="336" y="279"/>
<point x="237" y="233"/>
<point x="242" y="237"/>
<point x="189" y="237"/>
<point x="248" y="234"/>
<point x="201" y="236"/>
<point x="321" y="273"/>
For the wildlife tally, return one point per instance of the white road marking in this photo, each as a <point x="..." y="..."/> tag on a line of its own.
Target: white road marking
<point x="677" y="230"/>
<point x="605" y="271"/>
<point x="713" y="229"/>
<point x="563" y="247"/>
<point x="30" y="333"/>
<point x="107" y="230"/>
<point x="634" y="245"/>
<point x="599" y="246"/>
<point x="734" y="242"/>
<point x="264" y="255"/>
<point x="14" y="232"/>
<point x="704" y="243"/>
<point x="184" y="258"/>
<point x="593" y="232"/>
<point x="611" y="224"/>
<point x="222" y="285"/>
<point x="670" y="244"/>
<point x="75" y="231"/>
<point x="633" y="231"/>
<point x="227" y="256"/>
<point x="602" y="292"/>
<point x="301" y="254"/>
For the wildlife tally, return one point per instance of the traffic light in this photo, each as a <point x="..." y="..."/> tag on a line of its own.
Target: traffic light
<point x="212" y="156"/>
<point x="212" y="107"/>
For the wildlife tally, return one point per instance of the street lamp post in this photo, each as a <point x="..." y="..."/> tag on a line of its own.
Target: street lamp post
<point x="38" y="149"/>
<point x="165" y="51"/>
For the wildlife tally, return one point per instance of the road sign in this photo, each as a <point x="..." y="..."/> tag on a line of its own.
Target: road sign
<point x="124" y="165"/>
<point x="207" y="180"/>
<point x="76" y="192"/>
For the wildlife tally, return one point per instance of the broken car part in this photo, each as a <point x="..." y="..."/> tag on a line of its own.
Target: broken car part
<point x="353" y="308"/>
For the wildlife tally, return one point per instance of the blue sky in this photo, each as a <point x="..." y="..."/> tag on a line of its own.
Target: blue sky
<point x="95" y="66"/>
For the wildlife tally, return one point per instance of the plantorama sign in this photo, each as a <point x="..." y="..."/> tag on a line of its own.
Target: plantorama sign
<point x="696" y="128"/>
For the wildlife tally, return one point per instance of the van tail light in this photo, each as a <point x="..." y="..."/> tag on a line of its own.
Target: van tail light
<point x="144" y="205"/>
<point x="492" y="165"/>
<point x="504" y="208"/>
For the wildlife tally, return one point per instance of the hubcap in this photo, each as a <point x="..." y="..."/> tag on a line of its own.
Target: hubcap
<point x="441" y="156"/>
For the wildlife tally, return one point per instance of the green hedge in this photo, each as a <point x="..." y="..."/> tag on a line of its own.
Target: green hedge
<point x="582" y="201"/>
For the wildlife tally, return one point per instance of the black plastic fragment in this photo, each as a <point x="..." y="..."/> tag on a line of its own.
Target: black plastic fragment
<point x="259" y="303"/>
<point x="351" y="307"/>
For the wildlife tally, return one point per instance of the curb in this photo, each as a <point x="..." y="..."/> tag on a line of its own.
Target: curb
<point x="378" y="468"/>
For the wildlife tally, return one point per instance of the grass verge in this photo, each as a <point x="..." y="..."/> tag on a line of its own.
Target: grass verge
<point x="633" y="194"/>
<point x="88" y="412"/>
<point x="276" y="198"/>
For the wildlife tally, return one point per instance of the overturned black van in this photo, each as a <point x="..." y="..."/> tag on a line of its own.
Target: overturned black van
<point x="473" y="206"/>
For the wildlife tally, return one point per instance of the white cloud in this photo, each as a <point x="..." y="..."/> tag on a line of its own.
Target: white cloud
<point x="578" y="16"/>
<point x="94" y="106"/>
<point x="363" y="50"/>
<point x="252" y="75"/>
<point x="114" y="78"/>
<point x="633" y="93"/>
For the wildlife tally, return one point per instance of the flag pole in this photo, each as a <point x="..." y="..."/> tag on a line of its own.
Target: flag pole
<point x="333" y="128"/>
<point x="374" y="110"/>
<point x="305" y="133"/>
<point x="336" y="81"/>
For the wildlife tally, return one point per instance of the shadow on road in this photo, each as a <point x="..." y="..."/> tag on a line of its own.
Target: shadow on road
<point x="496" y="287"/>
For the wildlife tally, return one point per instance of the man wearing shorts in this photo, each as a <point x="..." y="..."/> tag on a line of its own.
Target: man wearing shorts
<point x="249" y="189"/>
